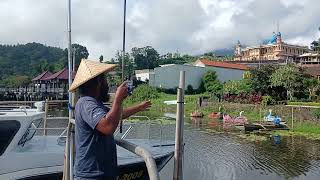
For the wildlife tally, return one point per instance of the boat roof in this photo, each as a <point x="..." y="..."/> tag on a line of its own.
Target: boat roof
<point x="20" y="114"/>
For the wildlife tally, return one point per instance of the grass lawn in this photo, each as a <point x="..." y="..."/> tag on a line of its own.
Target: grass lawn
<point x="251" y="111"/>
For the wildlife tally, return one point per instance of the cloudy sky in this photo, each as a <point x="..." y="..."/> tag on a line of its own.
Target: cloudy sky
<point x="186" y="26"/>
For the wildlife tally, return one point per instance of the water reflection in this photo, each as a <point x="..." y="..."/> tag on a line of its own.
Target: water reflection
<point x="224" y="156"/>
<point x="196" y="122"/>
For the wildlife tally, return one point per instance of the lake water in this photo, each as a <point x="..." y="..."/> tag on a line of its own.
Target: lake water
<point x="225" y="156"/>
<point x="221" y="155"/>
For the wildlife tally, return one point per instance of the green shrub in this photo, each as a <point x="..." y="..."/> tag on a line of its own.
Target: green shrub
<point x="144" y="92"/>
<point x="211" y="83"/>
<point x="267" y="100"/>
<point x="168" y="91"/>
<point x="190" y="89"/>
<point x="316" y="113"/>
<point x="237" y="87"/>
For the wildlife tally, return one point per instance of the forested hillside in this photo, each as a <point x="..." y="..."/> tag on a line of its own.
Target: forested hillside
<point x="24" y="61"/>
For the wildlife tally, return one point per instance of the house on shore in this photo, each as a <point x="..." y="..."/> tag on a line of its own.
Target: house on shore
<point x="39" y="83"/>
<point x="167" y="76"/>
<point x="224" y="71"/>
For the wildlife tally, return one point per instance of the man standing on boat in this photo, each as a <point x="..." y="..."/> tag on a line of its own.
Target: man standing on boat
<point x="96" y="156"/>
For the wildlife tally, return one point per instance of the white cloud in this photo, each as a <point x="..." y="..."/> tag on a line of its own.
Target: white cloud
<point x="189" y="26"/>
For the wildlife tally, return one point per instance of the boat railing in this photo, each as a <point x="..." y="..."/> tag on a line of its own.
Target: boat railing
<point x="144" y="153"/>
<point x="138" y="150"/>
<point x="145" y="120"/>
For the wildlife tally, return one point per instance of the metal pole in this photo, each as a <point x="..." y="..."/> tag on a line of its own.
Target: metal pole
<point x="124" y="39"/>
<point x="123" y="54"/>
<point x="67" y="174"/>
<point x="74" y="59"/>
<point x="179" y="146"/>
<point x="69" y="57"/>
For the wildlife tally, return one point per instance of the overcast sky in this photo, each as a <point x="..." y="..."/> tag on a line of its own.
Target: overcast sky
<point x="186" y="26"/>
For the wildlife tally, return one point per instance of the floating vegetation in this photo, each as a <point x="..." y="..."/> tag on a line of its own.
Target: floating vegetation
<point x="253" y="137"/>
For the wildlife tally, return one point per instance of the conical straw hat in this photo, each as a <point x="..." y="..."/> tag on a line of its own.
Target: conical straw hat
<point x="88" y="70"/>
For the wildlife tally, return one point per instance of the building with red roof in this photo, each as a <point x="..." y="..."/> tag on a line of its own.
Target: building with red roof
<point x="225" y="71"/>
<point x="58" y="82"/>
<point x="42" y="76"/>
<point x="52" y="82"/>
<point x="220" y="64"/>
<point x="39" y="83"/>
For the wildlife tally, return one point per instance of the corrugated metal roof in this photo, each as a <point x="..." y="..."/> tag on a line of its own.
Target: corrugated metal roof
<point x="61" y="75"/>
<point x="42" y="76"/>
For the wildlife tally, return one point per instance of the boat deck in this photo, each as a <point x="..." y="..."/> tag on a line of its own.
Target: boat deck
<point x="44" y="154"/>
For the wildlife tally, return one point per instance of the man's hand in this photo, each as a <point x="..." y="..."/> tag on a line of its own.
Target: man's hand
<point x="122" y="92"/>
<point x="144" y="106"/>
<point x="127" y="112"/>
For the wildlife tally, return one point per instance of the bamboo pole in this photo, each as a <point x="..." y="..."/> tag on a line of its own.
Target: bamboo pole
<point x="179" y="146"/>
<point x="45" y="117"/>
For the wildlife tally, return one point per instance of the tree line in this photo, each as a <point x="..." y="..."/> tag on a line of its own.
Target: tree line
<point x="267" y="83"/>
<point x="20" y="63"/>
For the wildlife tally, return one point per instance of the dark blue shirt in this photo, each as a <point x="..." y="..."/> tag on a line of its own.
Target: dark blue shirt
<point x="96" y="154"/>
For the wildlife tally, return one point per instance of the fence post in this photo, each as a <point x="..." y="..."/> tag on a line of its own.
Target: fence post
<point x="45" y="117"/>
<point x="292" y="118"/>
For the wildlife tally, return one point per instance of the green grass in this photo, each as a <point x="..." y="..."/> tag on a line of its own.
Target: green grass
<point x="308" y="127"/>
<point x="310" y="130"/>
<point x="304" y="103"/>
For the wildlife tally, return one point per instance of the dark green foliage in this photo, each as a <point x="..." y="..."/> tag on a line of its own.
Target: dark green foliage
<point x="201" y="88"/>
<point x="81" y="53"/>
<point x="267" y="100"/>
<point x="237" y="86"/>
<point x="145" y="57"/>
<point x="29" y="60"/>
<point x="190" y="90"/>
<point x="101" y="58"/>
<point x="260" y="78"/>
<point x="168" y="91"/>
<point x="291" y="78"/>
<point x="211" y="83"/>
<point x="316" y="113"/>
<point x="16" y="81"/>
<point x="143" y="92"/>
<point x="315" y="46"/>
<point x="128" y="65"/>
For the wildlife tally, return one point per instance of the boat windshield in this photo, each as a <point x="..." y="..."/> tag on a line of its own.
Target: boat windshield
<point x="31" y="131"/>
<point x="8" y="130"/>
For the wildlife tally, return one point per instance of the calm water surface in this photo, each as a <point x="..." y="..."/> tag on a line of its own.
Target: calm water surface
<point x="221" y="155"/>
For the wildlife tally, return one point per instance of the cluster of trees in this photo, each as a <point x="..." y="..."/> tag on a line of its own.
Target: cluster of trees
<point x="20" y="63"/>
<point x="147" y="58"/>
<point x="279" y="82"/>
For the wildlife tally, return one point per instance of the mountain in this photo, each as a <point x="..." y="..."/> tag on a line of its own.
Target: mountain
<point x="224" y="52"/>
<point x="25" y="61"/>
